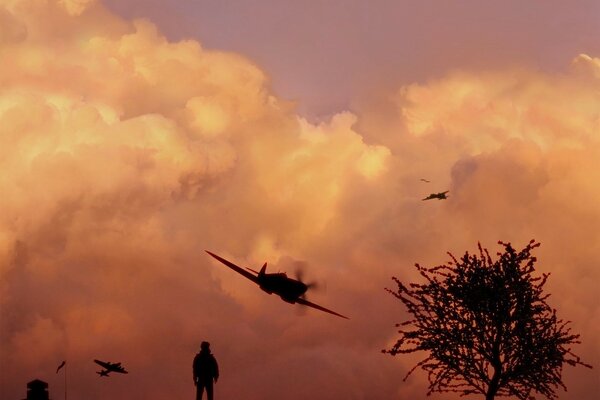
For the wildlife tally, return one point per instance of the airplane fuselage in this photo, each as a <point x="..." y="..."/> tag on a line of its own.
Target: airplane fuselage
<point x="288" y="289"/>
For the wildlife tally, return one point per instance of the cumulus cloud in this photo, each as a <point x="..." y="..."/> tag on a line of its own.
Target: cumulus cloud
<point x="125" y="155"/>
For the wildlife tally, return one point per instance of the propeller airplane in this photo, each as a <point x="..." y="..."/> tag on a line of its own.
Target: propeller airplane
<point x="290" y="290"/>
<point x="439" y="196"/>
<point x="109" y="367"/>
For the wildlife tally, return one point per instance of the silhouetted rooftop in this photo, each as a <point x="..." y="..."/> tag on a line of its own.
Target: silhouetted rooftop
<point x="37" y="384"/>
<point x="37" y="390"/>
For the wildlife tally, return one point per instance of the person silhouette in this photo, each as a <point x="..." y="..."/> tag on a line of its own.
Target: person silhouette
<point x="206" y="370"/>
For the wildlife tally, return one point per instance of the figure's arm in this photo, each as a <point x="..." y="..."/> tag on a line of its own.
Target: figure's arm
<point x="216" y="370"/>
<point x="194" y="373"/>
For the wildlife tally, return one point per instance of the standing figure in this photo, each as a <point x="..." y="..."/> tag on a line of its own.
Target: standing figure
<point x="206" y="370"/>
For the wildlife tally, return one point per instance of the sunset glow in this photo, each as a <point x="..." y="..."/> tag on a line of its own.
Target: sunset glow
<point x="126" y="154"/>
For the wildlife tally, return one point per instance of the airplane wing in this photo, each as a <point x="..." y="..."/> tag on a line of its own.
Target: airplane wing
<point x="318" y="307"/>
<point x="103" y="364"/>
<point x="111" y="367"/>
<point x="234" y="267"/>
<point x="428" y="197"/>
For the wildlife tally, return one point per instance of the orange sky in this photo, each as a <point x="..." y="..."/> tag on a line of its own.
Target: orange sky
<point x="125" y="155"/>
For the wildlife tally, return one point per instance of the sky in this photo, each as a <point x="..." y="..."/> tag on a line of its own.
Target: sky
<point x="328" y="55"/>
<point x="134" y="135"/>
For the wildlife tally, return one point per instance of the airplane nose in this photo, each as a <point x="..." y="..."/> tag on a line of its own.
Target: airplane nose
<point x="303" y="288"/>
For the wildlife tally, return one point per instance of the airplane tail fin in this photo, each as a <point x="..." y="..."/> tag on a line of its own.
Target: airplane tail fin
<point x="261" y="272"/>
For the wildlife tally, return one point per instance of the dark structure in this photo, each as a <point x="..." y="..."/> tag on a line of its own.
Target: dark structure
<point x="486" y="327"/>
<point x="37" y="390"/>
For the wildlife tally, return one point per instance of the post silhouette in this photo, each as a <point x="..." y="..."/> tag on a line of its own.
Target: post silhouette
<point x="61" y="366"/>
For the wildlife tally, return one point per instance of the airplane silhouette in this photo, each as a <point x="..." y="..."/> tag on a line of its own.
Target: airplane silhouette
<point x="109" y="367"/>
<point x="290" y="290"/>
<point x="439" y="196"/>
<point x="425" y="180"/>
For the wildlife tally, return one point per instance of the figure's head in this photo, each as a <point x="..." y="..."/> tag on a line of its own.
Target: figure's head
<point x="204" y="346"/>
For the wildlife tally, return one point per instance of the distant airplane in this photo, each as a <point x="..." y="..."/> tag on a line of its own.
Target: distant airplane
<point x="109" y="367"/>
<point x="290" y="290"/>
<point x="439" y="196"/>
<point x="425" y="180"/>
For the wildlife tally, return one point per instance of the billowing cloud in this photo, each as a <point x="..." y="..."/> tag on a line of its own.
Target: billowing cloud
<point x="125" y="155"/>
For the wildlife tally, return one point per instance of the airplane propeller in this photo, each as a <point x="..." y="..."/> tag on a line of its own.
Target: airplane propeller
<point x="313" y="285"/>
<point x="300" y="277"/>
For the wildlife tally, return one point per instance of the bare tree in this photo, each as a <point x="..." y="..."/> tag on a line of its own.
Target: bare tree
<point x="486" y="327"/>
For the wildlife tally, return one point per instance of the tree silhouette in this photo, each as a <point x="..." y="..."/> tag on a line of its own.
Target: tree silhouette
<point x="486" y="327"/>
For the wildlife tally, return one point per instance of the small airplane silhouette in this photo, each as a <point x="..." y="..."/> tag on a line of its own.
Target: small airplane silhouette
<point x="425" y="180"/>
<point x="290" y="290"/>
<point x="109" y="367"/>
<point x="439" y="196"/>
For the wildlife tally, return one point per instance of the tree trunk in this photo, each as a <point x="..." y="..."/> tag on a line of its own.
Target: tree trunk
<point x="493" y="387"/>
